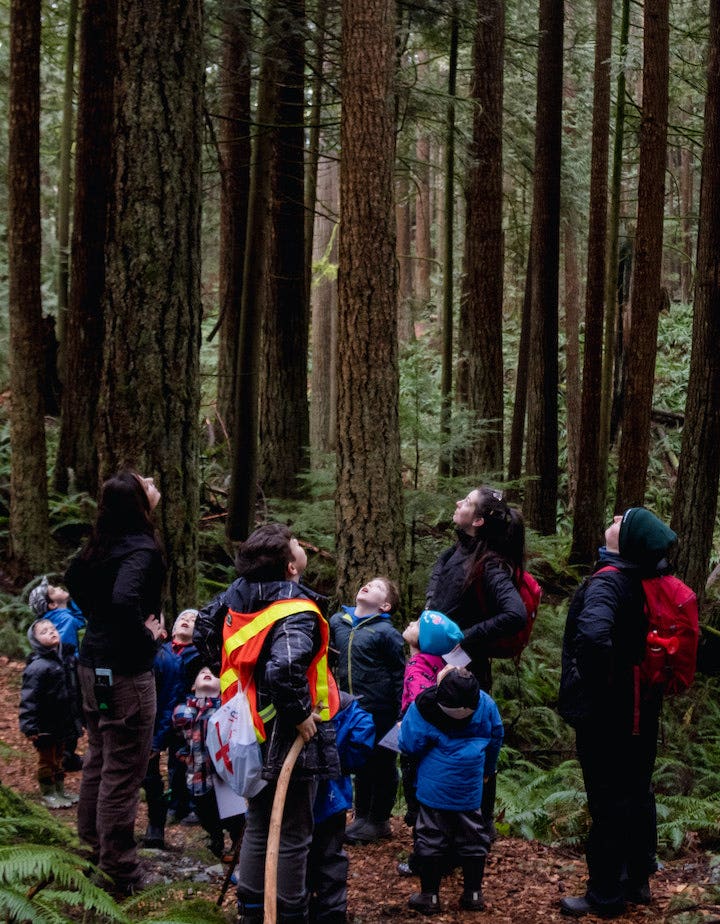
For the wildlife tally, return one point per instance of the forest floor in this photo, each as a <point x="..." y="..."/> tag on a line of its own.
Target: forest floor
<point x="524" y="880"/>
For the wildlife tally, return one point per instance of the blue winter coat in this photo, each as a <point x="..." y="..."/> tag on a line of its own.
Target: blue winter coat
<point x="67" y="620"/>
<point x="354" y="737"/>
<point x="453" y="761"/>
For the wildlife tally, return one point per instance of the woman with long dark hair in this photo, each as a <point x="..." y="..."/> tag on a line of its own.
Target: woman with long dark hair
<point x="117" y="580"/>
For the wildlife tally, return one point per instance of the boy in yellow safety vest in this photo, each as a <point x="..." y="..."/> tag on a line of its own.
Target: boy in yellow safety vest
<point x="266" y="632"/>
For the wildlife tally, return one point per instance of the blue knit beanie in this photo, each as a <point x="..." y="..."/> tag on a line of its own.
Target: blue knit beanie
<point x="437" y="633"/>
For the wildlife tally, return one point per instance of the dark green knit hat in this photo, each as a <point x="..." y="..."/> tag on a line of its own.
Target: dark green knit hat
<point x="644" y="539"/>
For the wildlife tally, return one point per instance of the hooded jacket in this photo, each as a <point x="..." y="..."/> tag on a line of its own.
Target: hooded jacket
<point x="280" y="672"/>
<point x="604" y="639"/>
<point x="50" y="695"/>
<point x="454" y="754"/>
<point x="117" y="594"/>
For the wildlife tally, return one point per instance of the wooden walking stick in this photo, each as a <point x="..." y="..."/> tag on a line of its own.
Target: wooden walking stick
<point x="273" y="843"/>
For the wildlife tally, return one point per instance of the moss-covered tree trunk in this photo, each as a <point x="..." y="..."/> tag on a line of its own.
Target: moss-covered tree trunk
<point x="369" y="505"/>
<point x="480" y="359"/>
<point x="150" y="388"/>
<point x="645" y="298"/>
<point x="696" y="492"/>
<point x="234" y="141"/>
<point x="28" y="478"/>
<point x="77" y="446"/>
<point x="541" y="463"/>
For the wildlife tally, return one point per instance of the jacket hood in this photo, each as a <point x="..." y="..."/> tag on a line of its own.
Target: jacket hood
<point x="35" y="646"/>
<point x="350" y="610"/>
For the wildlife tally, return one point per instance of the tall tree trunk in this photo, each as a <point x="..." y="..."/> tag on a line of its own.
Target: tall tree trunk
<point x="243" y="481"/>
<point x="696" y="490"/>
<point x="480" y="363"/>
<point x="77" y="445"/>
<point x="686" y="199"/>
<point x="234" y="141"/>
<point x="369" y="528"/>
<point x="645" y="298"/>
<point x="28" y="478"/>
<point x="65" y="182"/>
<point x="542" y="439"/>
<point x="572" y="355"/>
<point x="406" y="328"/>
<point x="445" y="466"/>
<point x="324" y="310"/>
<point x="284" y="433"/>
<point x="423" y="248"/>
<point x="150" y="389"/>
<point x="313" y="155"/>
<point x="517" y="432"/>
<point x="610" y="334"/>
<point x="589" y="503"/>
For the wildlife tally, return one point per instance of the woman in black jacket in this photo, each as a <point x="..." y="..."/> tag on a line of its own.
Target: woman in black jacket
<point x="117" y="580"/>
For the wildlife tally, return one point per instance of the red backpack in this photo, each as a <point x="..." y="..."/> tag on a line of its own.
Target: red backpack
<point x="672" y="640"/>
<point x="514" y="645"/>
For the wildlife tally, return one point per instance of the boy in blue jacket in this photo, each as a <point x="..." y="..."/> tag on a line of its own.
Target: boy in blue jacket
<point x="455" y="731"/>
<point x="327" y="861"/>
<point x="371" y="665"/>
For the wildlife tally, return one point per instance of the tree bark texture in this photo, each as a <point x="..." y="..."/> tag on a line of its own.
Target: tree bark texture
<point x="448" y="238"/>
<point x="572" y="354"/>
<point x="589" y="502"/>
<point x="423" y="247"/>
<point x="324" y="310"/>
<point x="517" y="429"/>
<point x="28" y="478"/>
<point x="686" y="206"/>
<point x="696" y="490"/>
<point x="65" y="181"/>
<point x="406" y="327"/>
<point x="369" y="503"/>
<point x="284" y="430"/>
<point x="77" y="446"/>
<point x="150" y="395"/>
<point x="646" y="281"/>
<point x="542" y="434"/>
<point x="480" y="359"/>
<point x="234" y="143"/>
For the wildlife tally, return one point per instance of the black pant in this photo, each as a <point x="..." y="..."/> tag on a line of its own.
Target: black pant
<point x="376" y="784"/>
<point x="617" y="769"/>
<point x="154" y="787"/>
<point x="328" y="871"/>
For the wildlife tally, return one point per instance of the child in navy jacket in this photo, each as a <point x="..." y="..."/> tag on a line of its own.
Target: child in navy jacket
<point x="327" y="861"/>
<point x="456" y="732"/>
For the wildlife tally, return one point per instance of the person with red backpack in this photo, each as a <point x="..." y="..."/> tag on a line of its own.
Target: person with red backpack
<point x="614" y="713"/>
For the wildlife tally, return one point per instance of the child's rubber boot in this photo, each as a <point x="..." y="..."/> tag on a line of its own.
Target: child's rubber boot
<point x="251" y="909"/>
<point x="473" y="871"/>
<point x="425" y="902"/>
<point x="68" y="797"/>
<point x="154" y="837"/>
<point x="48" y="796"/>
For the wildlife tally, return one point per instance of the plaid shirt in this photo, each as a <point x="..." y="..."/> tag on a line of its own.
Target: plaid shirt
<point x="191" y="719"/>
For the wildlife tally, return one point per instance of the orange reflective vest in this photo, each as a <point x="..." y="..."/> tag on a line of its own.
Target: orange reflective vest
<point x="243" y="637"/>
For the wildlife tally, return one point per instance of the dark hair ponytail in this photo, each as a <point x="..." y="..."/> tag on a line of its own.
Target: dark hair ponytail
<point x="501" y="536"/>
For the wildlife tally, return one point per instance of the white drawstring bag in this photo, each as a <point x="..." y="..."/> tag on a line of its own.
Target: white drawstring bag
<point x="234" y="748"/>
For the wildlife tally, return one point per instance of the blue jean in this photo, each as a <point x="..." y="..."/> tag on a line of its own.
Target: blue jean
<point x="113" y="770"/>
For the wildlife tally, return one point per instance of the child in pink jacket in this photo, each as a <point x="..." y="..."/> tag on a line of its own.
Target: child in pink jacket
<point x="429" y="637"/>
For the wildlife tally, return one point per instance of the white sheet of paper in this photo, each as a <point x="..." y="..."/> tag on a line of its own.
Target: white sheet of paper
<point x="457" y="657"/>
<point x="391" y="740"/>
<point x="229" y="803"/>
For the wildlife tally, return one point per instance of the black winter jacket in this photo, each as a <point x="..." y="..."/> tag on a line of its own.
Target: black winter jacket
<point x="117" y="594"/>
<point x="50" y="695"/>
<point x="491" y="611"/>
<point x="604" y="639"/>
<point x="280" y="674"/>
<point x="370" y="663"/>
